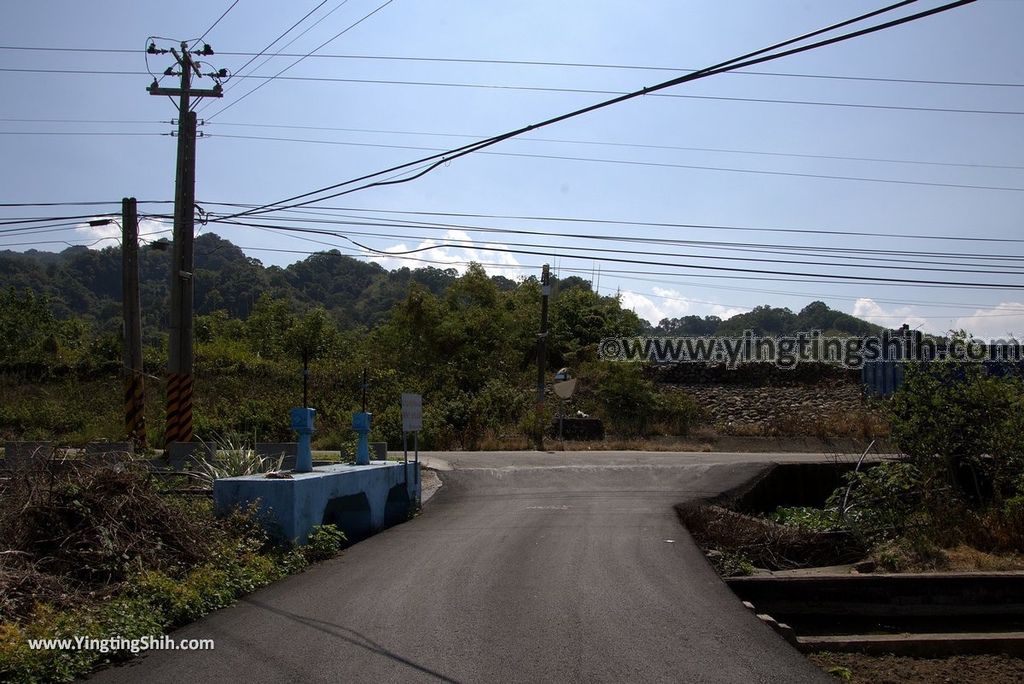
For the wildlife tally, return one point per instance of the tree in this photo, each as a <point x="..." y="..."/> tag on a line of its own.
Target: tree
<point x="961" y="426"/>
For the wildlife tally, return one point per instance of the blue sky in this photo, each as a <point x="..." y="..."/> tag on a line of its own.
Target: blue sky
<point x="974" y="44"/>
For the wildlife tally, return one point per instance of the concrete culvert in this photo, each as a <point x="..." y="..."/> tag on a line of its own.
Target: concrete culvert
<point x="351" y="515"/>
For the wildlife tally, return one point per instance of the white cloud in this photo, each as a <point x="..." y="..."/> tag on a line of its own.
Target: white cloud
<point x="455" y="256"/>
<point x="1005" y="320"/>
<point x="110" y="234"/>
<point x="668" y="303"/>
<point x="872" y="311"/>
<point x="643" y="307"/>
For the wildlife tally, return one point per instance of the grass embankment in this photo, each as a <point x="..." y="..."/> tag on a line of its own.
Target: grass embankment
<point x="246" y="401"/>
<point x="99" y="552"/>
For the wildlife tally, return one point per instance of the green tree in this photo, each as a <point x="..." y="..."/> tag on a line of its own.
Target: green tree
<point x="268" y="325"/>
<point x="963" y="427"/>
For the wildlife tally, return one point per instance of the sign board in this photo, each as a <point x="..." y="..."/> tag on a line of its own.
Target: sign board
<point x="565" y="388"/>
<point x="412" y="412"/>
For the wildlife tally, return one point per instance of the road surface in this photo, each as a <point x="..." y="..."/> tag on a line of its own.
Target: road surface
<point x="524" y="567"/>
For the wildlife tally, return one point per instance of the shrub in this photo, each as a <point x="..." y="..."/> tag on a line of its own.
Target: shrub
<point x="963" y="427"/>
<point x="676" y="413"/>
<point x="878" y="500"/>
<point x="233" y="461"/>
<point x="807" y="518"/>
<point x="625" y="397"/>
<point x="325" y="541"/>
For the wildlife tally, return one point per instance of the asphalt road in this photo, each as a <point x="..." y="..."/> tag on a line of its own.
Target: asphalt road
<point x="524" y="567"/>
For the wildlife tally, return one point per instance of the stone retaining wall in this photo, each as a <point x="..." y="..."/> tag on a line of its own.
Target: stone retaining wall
<point x="797" y="404"/>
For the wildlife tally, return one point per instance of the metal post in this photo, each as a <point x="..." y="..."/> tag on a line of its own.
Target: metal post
<point x="542" y="353"/>
<point x="305" y="378"/>
<point x="561" y="413"/>
<point x="364" y="390"/>
<point x="134" y="386"/>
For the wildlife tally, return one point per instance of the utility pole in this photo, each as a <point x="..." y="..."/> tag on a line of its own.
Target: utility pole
<point x="135" y="384"/>
<point x="179" y="367"/>
<point x="542" y="354"/>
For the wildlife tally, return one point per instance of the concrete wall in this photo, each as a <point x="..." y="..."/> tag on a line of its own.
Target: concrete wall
<point x="26" y="454"/>
<point x="880" y="595"/>
<point x="360" y="500"/>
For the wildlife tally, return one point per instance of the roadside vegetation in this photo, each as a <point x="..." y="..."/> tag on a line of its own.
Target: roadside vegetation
<point x="99" y="551"/>
<point x="471" y="352"/>
<point x="953" y="499"/>
<point x="467" y="343"/>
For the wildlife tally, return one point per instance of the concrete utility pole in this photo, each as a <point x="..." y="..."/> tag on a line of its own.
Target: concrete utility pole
<point x="179" y="367"/>
<point x="135" y="384"/>
<point x="542" y="354"/>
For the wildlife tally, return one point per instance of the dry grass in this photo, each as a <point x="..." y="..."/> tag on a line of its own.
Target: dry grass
<point x="73" y="527"/>
<point x="764" y="543"/>
<point x="862" y="424"/>
<point x="964" y="558"/>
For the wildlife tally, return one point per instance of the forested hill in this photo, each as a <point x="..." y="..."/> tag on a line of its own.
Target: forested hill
<point x="767" y="320"/>
<point x="85" y="283"/>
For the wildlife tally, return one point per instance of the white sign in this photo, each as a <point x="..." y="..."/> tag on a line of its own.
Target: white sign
<point x="412" y="412"/>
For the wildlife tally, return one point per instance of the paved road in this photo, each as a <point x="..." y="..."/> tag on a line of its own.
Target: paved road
<point x="525" y="567"/>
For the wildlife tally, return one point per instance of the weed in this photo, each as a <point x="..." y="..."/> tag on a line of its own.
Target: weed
<point x="325" y="541"/>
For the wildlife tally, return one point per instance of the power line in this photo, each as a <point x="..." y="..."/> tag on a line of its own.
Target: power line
<point x="148" y="122"/>
<point x="287" y="31"/>
<point x="11" y="220"/>
<point x="607" y="250"/>
<point x="85" y="133"/>
<point x="738" y="72"/>
<point x="626" y="277"/>
<point x="212" y="26"/>
<point x="875" y="255"/>
<point x="539" y="89"/>
<point x="79" y="244"/>
<point x="605" y="143"/>
<point x="681" y="280"/>
<point x="338" y="250"/>
<point x="566" y="141"/>
<point x="733" y="269"/>
<point x="78" y="204"/>
<point x="751" y="59"/>
<point x="748" y="308"/>
<point x="333" y="38"/>
<point x="351" y="220"/>
<point x="618" y="272"/>
<point x="515" y="62"/>
<point x="648" y="224"/>
<point x="592" y="91"/>
<point x="792" y="174"/>
<point x="621" y="274"/>
<point x="42" y="228"/>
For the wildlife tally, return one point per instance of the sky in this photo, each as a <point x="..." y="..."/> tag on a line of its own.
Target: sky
<point x="737" y="178"/>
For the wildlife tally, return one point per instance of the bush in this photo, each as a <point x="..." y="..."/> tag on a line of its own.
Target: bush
<point x="325" y="541"/>
<point x="96" y="525"/>
<point x="807" y="518"/>
<point x="98" y="552"/>
<point x="877" y="501"/>
<point x="962" y="427"/>
<point x="764" y="543"/>
<point x="676" y="413"/>
<point x="626" y="398"/>
<point x="730" y="563"/>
